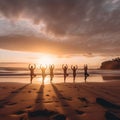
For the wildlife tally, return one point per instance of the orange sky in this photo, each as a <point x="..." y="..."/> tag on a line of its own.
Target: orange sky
<point x="42" y="58"/>
<point x="62" y="31"/>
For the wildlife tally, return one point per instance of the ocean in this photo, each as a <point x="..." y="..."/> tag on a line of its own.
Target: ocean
<point x="21" y="75"/>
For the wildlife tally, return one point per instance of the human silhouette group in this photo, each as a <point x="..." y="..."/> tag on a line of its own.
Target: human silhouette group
<point x="74" y="69"/>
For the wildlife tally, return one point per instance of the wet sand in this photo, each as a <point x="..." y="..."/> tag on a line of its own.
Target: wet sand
<point x="69" y="101"/>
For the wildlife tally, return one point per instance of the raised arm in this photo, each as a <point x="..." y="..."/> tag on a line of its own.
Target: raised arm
<point x="29" y="66"/>
<point x="63" y="66"/>
<point x="34" y="66"/>
<point x="76" y="67"/>
<point x="72" y="67"/>
<point x="66" y="66"/>
<point x="53" y="66"/>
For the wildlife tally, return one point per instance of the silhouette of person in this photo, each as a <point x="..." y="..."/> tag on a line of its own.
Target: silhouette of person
<point x="43" y="69"/>
<point x="86" y="72"/>
<point x="32" y="74"/>
<point x="65" y="67"/>
<point x="51" y="68"/>
<point x="74" y="69"/>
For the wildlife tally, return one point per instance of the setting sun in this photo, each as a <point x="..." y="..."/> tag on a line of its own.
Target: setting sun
<point x="45" y="60"/>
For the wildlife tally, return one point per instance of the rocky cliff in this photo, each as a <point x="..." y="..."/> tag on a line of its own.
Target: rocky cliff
<point x="111" y="64"/>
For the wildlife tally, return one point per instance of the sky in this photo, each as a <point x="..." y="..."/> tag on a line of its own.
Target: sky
<point x="65" y="31"/>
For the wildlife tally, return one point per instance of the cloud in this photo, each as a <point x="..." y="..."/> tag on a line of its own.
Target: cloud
<point x="73" y="46"/>
<point x="90" y="27"/>
<point x="66" y="17"/>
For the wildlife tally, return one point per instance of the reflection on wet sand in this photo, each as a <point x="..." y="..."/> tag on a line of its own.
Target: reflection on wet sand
<point x="105" y="77"/>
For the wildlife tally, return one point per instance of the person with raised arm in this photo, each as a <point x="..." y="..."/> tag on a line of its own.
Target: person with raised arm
<point x="65" y="68"/>
<point x="74" y="69"/>
<point x="51" y="68"/>
<point x="43" y="69"/>
<point x="32" y="69"/>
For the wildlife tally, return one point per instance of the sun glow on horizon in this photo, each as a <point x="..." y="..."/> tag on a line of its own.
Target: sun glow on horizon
<point x="45" y="60"/>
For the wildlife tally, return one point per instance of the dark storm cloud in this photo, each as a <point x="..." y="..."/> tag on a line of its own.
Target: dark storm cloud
<point x="94" y="23"/>
<point x="67" y="16"/>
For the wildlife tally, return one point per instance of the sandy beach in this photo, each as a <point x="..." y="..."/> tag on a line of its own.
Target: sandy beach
<point x="78" y="101"/>
<point x="73" y="46"/>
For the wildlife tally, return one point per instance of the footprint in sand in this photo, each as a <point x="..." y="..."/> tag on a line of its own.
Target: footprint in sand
<point x="11" y="104"/>
<point x="67" y="98"/>
<point x="58" y="117"/>
<point x="79" y="112"/>
<point x="34" y="89"/>
<point x="83" y="99"/>
<point x="45" y="113"/>
<point x="28" y="107"/>
<point x="20" y="112"/>
<point x="39" y="92"/>
<point x="29" y="91"/>
<point x="47" y="95"/>
<point x="66" y="105"/>
<point x="14" y="92"/>
<point x="85" y="106"/>
<point x="39" y="100"/>
<point x="48" y="102"/>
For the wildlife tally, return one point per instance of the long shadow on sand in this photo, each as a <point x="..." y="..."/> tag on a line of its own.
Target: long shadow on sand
<point x="69" y="111"/>
<point x="40" y="112"/>
<point x="12" y="95"/>
<point x="39" y="98"/>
